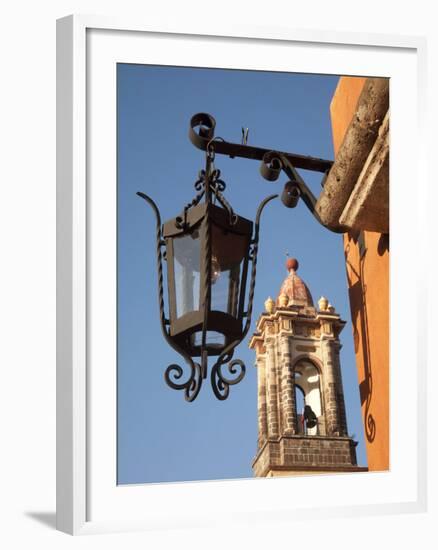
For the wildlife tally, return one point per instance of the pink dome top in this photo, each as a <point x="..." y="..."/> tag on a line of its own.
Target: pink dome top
<point x="294" y="287"/>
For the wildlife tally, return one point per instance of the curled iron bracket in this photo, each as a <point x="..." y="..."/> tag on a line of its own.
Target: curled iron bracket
<point x="304" y="192"/>
<point x="201" y="134"/>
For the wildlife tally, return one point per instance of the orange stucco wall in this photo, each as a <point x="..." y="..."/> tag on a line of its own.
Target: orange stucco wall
<point x="367" y="266"/>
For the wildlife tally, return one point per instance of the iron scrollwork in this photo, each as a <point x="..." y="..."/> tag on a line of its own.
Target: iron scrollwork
<point x="221" y="383"/>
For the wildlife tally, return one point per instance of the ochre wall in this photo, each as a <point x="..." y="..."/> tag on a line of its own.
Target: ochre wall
<point x="368" y="281"/>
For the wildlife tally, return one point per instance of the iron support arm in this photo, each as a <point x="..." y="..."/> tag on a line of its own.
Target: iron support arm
<point x="201" y="134"/>
<point x="203" y="138"/>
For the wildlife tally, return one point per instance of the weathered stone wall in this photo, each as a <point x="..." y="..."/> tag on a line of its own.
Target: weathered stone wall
<point x="367" y="260"/>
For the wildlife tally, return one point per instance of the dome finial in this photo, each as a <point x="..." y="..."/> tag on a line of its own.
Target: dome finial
<point x="294" y="291"/>
<point x="292" y="264"/>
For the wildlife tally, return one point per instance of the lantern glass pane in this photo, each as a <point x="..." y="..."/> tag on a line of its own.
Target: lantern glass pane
<point x="213" y="339"/>
<point x="228" y="254"/>
<point x="186" y="252"/>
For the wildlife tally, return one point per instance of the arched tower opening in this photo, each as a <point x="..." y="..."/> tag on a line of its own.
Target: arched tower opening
<point x="307" y="380"/>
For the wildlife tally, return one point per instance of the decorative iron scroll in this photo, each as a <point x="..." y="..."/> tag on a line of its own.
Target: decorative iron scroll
<point x="220" y="383"/>
<point x="191" y="386"/>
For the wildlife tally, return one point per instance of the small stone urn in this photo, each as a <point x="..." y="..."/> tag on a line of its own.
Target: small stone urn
<point x="283" y="300"/>
<point x="270" y="305"/>
<point x="331" y="308"/>
<point x="323" y="303"/>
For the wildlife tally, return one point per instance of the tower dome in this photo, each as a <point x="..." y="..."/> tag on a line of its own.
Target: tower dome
<point x="294" y="287"/>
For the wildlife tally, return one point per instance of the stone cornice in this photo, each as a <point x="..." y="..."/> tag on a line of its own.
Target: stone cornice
<point x="309" y="316"/>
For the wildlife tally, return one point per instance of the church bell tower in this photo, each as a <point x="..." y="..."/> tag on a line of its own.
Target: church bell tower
<point x="302" y="425"/>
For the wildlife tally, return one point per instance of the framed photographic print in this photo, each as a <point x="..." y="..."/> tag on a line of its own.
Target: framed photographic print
<point x="227" y="200"/>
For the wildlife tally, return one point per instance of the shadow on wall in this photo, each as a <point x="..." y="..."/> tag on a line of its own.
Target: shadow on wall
<point x="357" y="294"/>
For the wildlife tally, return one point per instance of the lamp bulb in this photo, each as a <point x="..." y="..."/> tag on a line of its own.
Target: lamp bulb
<point x="215" y="270"/>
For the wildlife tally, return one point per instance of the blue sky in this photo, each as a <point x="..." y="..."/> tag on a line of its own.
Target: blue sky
<point x="161" y="437"/>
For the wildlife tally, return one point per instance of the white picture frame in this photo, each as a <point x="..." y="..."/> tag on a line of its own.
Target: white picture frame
<point x="87" y="500"/>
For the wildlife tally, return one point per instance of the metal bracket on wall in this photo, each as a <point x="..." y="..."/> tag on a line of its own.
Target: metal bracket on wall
<point x="201" y="134"/>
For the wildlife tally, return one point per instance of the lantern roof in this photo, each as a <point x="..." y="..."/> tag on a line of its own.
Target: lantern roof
<point x="294" y="287"/>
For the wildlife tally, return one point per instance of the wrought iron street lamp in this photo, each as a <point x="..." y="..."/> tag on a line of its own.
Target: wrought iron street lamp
<point x="209" y="251"/>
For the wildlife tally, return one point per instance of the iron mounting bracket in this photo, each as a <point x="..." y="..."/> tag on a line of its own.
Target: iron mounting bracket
<point x="201" y="134"/>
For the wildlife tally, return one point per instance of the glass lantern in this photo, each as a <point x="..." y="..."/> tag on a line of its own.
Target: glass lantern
<point x="208" y="250"/>
<point x="207" y="266"/>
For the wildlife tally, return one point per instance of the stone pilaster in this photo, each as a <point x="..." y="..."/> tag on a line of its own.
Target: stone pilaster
<point x="336" y="346"/>
<point x="272" y="389"/>
<point x="287" y="397"/>
<point x="261" y="401"/>
<point x="330" y="389"/>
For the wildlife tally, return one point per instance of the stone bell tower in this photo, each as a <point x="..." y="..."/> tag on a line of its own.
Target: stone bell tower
<point x="302" y="425"/>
